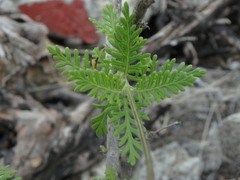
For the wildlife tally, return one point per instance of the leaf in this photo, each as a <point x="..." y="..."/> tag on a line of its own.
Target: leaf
<point x="166" y="82"/>
<point x="125" y="43"/>
<point x="51" y="49"/>
<point x="6" y="174"/>
<point x="101" y="84"/>
<point x="61" y="65"/>
<point x="100" y="124"/>
<point x="68" y="54"/>
<point x="76" y="57"/>
<point x="128" y="128"/>
<point x="100" y="121"/>
<point x="86" y="59"/>
<point x="110" y="17"/>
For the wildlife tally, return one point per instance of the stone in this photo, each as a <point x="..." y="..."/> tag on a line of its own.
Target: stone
<point x="229" y="136"/>
<point x="172" y="162"/>
<point x="67" y="19"/>
<point x="212" y="153"/>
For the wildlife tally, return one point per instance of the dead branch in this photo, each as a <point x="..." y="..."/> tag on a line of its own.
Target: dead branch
<point x="140" y="9"/>
<point x="203" y="18"/>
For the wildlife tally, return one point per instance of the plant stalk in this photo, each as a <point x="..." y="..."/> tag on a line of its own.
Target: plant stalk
<point x="113" y="151"/>
<point x="143" y="140"/>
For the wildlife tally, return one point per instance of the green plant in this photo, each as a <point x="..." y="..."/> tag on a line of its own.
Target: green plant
<point x="127" y="82"/>
<point x="6" y="174"/>
<point x="110" y="174"/>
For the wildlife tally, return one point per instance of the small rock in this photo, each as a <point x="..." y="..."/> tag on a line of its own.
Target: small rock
<point x="36" y="162"/>
<point x="209" y="151"/>
<point x="212" y="153"/>
<point x="234" y="65"/>
<point x="192" y="147"/>
<point x="7" y="6"/>
<point x="229" y="136"/>
<point x="172" y="162"/>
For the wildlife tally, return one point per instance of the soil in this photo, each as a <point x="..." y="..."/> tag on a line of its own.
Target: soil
<point x="45" y="128"/>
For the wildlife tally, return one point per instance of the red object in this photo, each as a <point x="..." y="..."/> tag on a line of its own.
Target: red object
<point x="65" y="19"/>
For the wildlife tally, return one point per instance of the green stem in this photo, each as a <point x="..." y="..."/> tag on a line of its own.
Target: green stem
<point x="143" y="140"/>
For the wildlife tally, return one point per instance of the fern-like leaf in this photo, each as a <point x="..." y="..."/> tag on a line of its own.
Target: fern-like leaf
<point x="6" y="174"/>
<point x="128" y="132"/>
<point x="100" y="121"/>
<point x="160" y="85"/>
<point x="125" y="44"/>
<point x="102" y="85"/>
<point x="110" y="20"/>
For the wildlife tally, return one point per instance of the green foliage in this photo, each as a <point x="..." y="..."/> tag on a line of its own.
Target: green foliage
<point x="110" y="174"/>
<point x="125" y="43"/>
<point x="6" y="174"/>
<point x="160" y="85"/>
<point x="109" y="80"/>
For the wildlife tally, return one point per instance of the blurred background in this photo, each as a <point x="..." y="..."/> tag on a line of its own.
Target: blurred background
<point x="45" y="128"/>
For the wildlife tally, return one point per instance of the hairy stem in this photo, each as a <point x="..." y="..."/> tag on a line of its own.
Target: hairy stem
<point x="145" y="145"/>
<point x="113" y="151"/>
